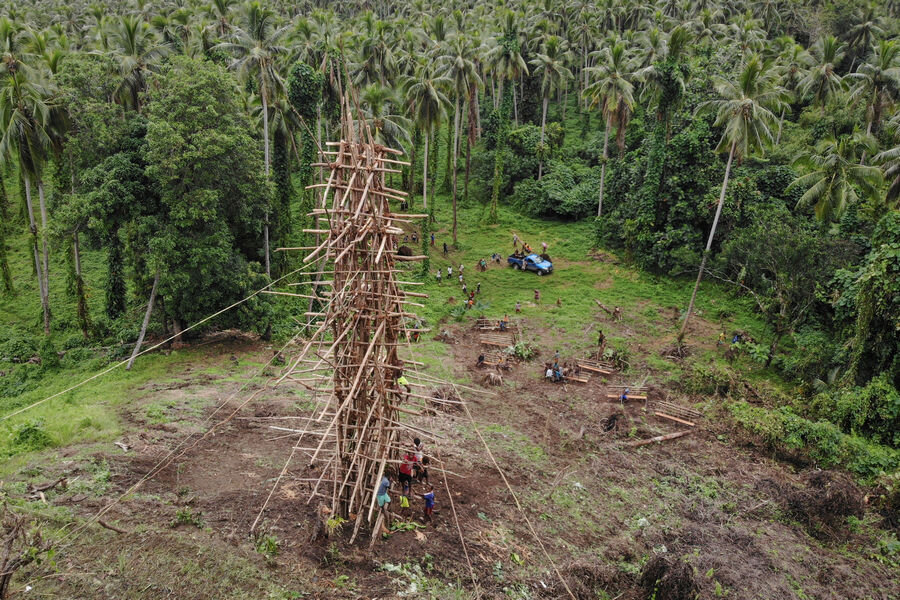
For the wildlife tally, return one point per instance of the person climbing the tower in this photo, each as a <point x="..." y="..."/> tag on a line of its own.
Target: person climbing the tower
<point x="401" y="380"/>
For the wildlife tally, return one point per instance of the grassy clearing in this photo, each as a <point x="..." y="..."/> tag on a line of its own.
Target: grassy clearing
<point x="576" y="282"/>
<point x="90" y="413"/>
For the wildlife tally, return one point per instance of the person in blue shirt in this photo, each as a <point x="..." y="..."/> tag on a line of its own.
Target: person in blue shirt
<point x="383" y="498"/>
<point x="428" y="496"/>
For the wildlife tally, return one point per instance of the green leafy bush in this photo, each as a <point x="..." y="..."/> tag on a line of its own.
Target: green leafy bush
<point x="30" y="436"/>
<point x="783" y="430"/>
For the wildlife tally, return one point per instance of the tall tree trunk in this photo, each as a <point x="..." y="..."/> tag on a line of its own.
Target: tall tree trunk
<point x="780" y="125"/>
<point x="45" y="246"/>
<point x="470" y="137"/>
<point x="45" y="305"/>
<point x="140" y="340"/>
<point x="80" y="299"/>
<point x="5" y="273"/>
<point x="413" y="154"/>
<point x="425" y="173"/>
<point x="543" y="126"/>
<point x="603" y="166"/>
<point x="265" y="107"/>
<point x="862" y="159"/>
<point x="455" y="159"/>
<point x="515" y="104"/>
<point x="709" y="241"/>
<point x="448" y="159"/>
<point x="475" y="104"/>
<point x="435" y="154"/>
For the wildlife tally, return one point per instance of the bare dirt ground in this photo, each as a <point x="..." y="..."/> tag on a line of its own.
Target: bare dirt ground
<point x="706" y="515"/>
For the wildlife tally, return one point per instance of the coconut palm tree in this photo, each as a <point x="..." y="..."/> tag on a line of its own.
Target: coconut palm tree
<point x="138" y="52"/>
<point x="791" y="65"/>
<point x="890" y="163"/>
<point x="378" y="105"/>
<point x="833" y="175"/>
<point x="550" y="65"/>
<point x="458" y="65"/>
<point x="877" y="82"/>
<point x="822" y="80"/>
<point x="867" y="27"/>
<point x="745" y="112"/>
<point x="25" y="138"/>
<point x="506" y="60"/>
<point x="257" y="46"/>
<point x="428" y="106"/>
<point x="614" y="93"/>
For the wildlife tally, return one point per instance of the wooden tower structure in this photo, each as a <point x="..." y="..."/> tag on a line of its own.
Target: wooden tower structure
<point x="351" y="362"/>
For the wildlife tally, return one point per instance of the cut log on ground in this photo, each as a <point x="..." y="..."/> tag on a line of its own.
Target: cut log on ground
<point x="659" y="438"/>
<point x="676" y="419"/>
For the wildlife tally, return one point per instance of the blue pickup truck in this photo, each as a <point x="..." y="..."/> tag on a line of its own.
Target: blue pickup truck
<point x="532" y="262"/>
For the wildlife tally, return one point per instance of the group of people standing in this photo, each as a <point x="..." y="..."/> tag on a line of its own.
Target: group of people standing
<point x="413" y="469"/>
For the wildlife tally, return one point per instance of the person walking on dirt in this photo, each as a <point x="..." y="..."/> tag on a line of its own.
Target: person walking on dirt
<point x="601" y="339"/>
<point x="383" y="497"/>
<point x="480" y="362"/>
<point x="445" y="248"/>
<point x="428" y="510"/>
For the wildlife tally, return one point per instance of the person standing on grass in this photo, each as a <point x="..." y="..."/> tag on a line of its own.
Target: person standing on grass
<point x="415" y="237"/>
<point x="438" y="275"/>
<point x="428" y="510"/>
<point x="537" y="296"/>
<point x="461" y="268"/>
<point x="460" y="279"/>
<point x="478" y="288"/>
<point x="445" y="248"/>
<point x="449" y="271"/>
<point x="518" y="307"/>
<point x="432" y="240"/>
<point x="544" y="246"/>
<point x="515" y="241"/>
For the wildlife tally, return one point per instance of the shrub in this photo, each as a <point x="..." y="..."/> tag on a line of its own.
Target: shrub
<point x="823" y="442"/>
<point x="18" y="347"/>
<point x="30" y="436"/>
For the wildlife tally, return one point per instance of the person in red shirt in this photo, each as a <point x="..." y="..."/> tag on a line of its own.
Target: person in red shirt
<point x="406" y="472"/>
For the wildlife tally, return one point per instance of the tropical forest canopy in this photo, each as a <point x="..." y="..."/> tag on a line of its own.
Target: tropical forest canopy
<point x="759" y="139"/>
